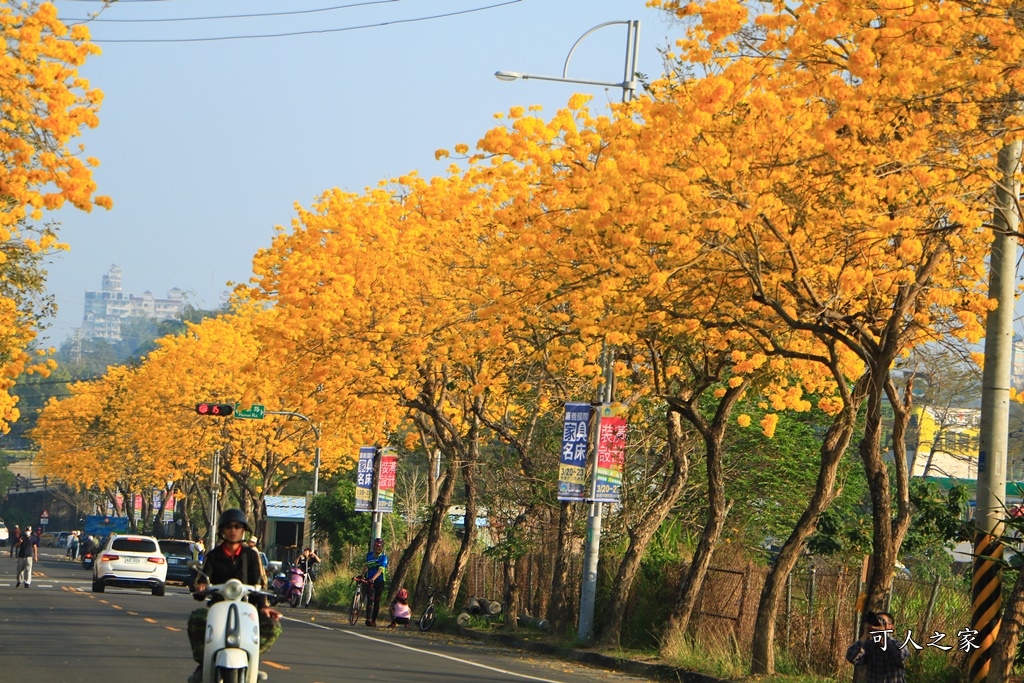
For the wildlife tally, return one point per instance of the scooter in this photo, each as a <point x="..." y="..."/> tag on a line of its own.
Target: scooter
<point x="287" y="587"/>
<point x="87" y="560"/>
<point x="232" y="651"/>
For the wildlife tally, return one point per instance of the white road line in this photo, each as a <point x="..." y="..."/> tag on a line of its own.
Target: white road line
<point x="426" y="652"/>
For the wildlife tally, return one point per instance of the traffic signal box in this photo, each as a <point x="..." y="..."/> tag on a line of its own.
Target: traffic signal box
<point x="215" y="409"/>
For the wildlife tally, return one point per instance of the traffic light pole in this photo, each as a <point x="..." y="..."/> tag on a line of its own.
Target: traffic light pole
<point x="377" y="517"/>
<point x="214" y="492"/>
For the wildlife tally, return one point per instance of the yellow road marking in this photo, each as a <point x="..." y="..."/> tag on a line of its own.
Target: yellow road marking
<point x="104" y="602"/>
<point x="117" y="607"/>
<point x="171" y="628"/>
<point x="275" y="665"/>
<point x="152" y="621"/>
<point x="134" y="614"/>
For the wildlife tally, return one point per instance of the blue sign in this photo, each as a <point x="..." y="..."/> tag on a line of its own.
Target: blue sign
<point x="572" y="467"/>
<point x="364" y="479"/>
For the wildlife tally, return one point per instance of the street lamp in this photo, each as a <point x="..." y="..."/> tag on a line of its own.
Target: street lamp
<point x="316" y="459"/>
<point x="628" y="83"/>
<point x="588" y="593"/>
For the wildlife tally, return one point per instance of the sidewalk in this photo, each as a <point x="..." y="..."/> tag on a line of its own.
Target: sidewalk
<point x="633" y="667"/>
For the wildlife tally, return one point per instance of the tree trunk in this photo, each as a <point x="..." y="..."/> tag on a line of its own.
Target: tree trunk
<point x="438" y="513"/>
<point x="469" y="533"/>
<point x="883" y="547"/>
<point x="834" y="445"/>
<point x="562" y="609"/>
<point x="717" y="508"/>
<point x="641" y="534"/>
<point x="1005" y="649"/>
<point x="511" y="594"/>
<point x="405" y="562"/>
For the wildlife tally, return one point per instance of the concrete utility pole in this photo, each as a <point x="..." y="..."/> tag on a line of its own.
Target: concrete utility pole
<point x="986" y="586"/>
<point x="592" y="551"/>
<point x="377" y="517"/>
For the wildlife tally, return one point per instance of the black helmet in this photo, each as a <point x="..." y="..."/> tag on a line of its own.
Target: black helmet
<point x="232" y="516"/>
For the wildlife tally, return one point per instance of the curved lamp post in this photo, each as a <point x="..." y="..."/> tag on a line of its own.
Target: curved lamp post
<point x="628" y="83"/>
<point x="588" y="593"/>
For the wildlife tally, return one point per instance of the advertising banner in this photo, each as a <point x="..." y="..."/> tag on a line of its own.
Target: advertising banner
<point x="386" y="485"/>
<point x="572" y="467"/>
<point x="611" y="452"/>
<point x="169" y="506"/>
<point x="364" y="479"/>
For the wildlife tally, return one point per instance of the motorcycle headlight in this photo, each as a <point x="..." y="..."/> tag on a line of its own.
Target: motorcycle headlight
<point x="256" y="634"/>
<point x="209" y="634"/>
<point x="233" y="590"/>
<point x="232" y="639"/>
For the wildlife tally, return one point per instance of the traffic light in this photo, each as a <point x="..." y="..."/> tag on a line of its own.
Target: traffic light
<point x="215" y="409"/>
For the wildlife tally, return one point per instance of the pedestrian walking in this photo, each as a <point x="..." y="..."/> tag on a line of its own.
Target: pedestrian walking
<point x="28" y="554"/>
<point x="73" y="546"/>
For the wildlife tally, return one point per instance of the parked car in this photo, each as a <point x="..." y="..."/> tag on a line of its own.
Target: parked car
<point x="48" y="538"/>
<point x="130" y="560"/>
<point x="62" y="538"/>
<point x="4" y="536"/>
<point x="179" y="553"/>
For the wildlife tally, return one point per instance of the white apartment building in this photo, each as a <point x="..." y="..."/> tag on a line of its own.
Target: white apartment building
<point x="105" y="309"/>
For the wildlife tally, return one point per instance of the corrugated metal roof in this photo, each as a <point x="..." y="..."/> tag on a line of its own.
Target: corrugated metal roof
<point x="286" y="507"/>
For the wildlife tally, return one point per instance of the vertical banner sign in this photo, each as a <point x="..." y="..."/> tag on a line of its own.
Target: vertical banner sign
<point x="169" y="505"/>
<point x="611" y="452"/>
<point x="572" y="468"/>
<point x="137" y="505"/>
<point x="364" y="479"/>
<point x="386" y="483"/>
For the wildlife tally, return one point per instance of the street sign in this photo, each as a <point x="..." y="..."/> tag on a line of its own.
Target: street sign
<point x="256" y="412"/>
<point x="44" y="518"/>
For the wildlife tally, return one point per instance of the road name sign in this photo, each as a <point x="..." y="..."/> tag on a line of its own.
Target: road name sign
<point x="255" y="412"/>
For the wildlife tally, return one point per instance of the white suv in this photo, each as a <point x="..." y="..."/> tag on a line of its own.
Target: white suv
<point x="132" y="561"/>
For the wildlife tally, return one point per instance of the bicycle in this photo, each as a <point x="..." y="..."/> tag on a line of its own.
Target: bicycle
<point x="309" y="587"/>
<point x="429" y="615"/>
<point x="363" y="596"/>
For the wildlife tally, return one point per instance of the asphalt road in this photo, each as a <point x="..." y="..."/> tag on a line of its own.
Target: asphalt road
<point x="59" y="631"/>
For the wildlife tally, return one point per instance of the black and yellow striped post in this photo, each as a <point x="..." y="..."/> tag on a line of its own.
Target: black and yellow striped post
<point x="986" y="603"/>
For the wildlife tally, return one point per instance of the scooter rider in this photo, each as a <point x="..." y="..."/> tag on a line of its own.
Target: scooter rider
<point x="232" y="559"/>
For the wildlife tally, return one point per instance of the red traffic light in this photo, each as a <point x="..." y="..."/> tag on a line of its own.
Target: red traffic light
<point x="215" y="409"/>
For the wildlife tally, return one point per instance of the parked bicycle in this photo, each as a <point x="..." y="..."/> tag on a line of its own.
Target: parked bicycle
<point x="363" y="598"/>
<point x="429" y="615"/>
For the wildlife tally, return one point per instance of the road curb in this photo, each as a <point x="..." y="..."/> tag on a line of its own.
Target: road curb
<point x="630" y="666"/>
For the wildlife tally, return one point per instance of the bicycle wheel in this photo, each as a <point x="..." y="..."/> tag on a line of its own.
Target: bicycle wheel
<point x="428" y="618"/>
<point x="357" y="606"/>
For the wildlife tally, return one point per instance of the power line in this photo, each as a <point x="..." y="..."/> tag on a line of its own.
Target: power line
<point x="311" y="32"/>
<point x="230" y="16"/>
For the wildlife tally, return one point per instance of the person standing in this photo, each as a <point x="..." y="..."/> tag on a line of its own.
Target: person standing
<point x="15" y="537"/>
<point x="73" y="546"/>
<point x="376" y="568"/>
<point x="878" y="651"/>
<point x="28" y="554"/>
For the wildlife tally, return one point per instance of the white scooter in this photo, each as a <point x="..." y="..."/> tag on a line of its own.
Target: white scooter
<point x="232" y="650"/>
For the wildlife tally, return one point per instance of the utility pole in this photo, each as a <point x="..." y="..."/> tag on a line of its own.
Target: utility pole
<point x="592" y="551"/>
<point x="986" y="586"/>
<point x="377" y="517"/>
<point x="214" y="492"/>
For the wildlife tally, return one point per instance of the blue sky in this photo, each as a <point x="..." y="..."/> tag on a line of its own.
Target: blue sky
<point x="206" y="146"/>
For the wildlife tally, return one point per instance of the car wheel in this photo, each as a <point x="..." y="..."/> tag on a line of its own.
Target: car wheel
<point x="97" y="586"/>
<point x="159" y="590"/>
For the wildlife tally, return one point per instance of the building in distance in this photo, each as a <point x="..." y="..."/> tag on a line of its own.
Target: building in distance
<point x="105" y="309"/>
